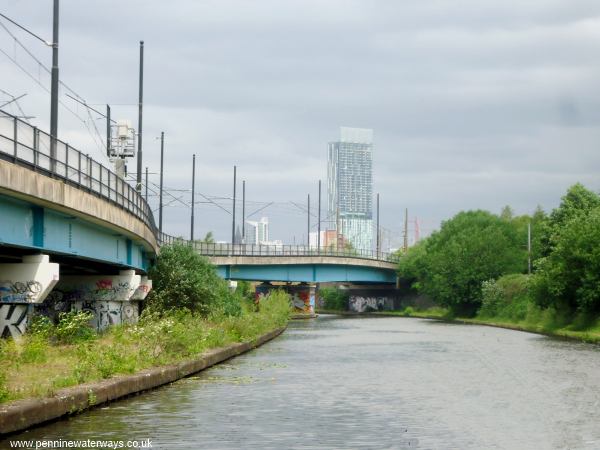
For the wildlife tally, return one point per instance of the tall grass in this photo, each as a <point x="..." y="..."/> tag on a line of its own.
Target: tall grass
<point x="52" y="357"/>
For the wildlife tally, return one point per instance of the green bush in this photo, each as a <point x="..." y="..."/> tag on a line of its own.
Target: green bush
<point x="182" y="278"/>
<point x="74" y="327"/>
<point x="508" y="298"/>
<point x="334" y="298"/>
<point x="40" y="326"/>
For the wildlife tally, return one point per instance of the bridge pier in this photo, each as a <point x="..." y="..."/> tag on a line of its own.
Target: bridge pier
<point x="112" y="299"/>
<point x="302" y="295"/>
<point x="22" y="285"/>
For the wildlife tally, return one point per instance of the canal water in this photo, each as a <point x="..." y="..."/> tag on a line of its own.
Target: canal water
<point x="372" y="383"/>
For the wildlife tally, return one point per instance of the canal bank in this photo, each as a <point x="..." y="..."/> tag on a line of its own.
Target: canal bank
<point x="588" y="336"/>
<point x="591" y="335"/>
<point x="23" y="414"/>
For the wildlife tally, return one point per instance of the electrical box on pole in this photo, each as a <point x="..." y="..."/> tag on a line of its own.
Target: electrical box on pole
<point x="122" y="145"/>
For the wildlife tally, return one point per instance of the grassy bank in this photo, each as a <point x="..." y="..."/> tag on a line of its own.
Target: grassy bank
<point x="540" y="322"/>
<point x="53" y="357"/>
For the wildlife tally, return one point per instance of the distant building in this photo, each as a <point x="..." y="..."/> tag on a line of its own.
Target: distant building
<point x="257" y="232"/>
<point x="329" y="239"/>
<point x="350" y="186"/>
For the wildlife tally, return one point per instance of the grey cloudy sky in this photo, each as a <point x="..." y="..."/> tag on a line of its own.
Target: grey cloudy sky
<point x="475" y="104"/>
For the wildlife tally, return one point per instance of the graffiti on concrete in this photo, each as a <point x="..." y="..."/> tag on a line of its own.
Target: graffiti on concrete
<point x="20" y="291"/>
<point x="143" y="289"/>
<point x="130" y="313"/>
<point x="53" y="306"/>
<point x="365" y="304"/>
<point x="100" y="290"/>
<point x="108" y="313"/>
<point x="301" y="300"/>
<point x="13" y="320"/>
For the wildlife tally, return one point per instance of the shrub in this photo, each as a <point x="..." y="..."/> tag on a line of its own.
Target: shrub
<point x="508" y="297"/>
<point x="40" y="326"/>
<point x="73" y="327"/>
<point x="183" y="279"/>
<point x="334" y="298"/>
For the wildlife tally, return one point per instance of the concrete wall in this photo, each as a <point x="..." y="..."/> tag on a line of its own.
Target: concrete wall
<point x="368" y="298"/>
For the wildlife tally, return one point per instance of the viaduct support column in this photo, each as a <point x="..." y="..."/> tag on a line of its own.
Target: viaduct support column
<point x="112" y="299"/>
<point x="21" y="286"/>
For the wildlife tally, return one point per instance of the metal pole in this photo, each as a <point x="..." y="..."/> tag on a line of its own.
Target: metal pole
<point x="233" y="216"/>
<point x="378" y="242"/>
<point x="108" y="132"/>
<point x="146" y="194"/>
<point x="140" y="108"/>
<point x="193" y="188"/>
<point x="405" y="230"/>
<point x="529" y="248"/>
<point x="319" y="222"/>
<point x="54" y="90"/>
<point x="308" y="225"/>
<point x="244" y="211"/>
<point x="160" y="195"/>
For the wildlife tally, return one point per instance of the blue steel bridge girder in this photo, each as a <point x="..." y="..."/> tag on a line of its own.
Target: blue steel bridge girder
<point x="309" y="273"/>
<point x="30" y="226"/>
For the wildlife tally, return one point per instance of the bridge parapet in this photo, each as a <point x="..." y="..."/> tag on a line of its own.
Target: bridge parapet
<point x="258" y="252"/>
<point x="27" y="146"/>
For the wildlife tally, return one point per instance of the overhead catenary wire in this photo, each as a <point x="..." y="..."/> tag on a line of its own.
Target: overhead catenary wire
<point x="97" y="137"/>
<point x="48" y="43"/>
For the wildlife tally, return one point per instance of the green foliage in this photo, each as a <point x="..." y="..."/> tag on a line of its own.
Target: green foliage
<point x="508" y="297"/>
<point x="40" y="326"/>
<point x="334" y="298"/>
<point x="570" y="274"/>
<point x="451" y="264"/>
<point x="412" y="265"/>
<point x="576" y="202"/>
<point x="74" y="327"/>
<point x="4" y="392"/>
<point x="184" y="279"/>
<point x="245" y="290"/>
<point x="34" y="349"/>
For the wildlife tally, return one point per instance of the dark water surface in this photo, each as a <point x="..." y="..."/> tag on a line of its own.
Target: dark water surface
<point x="373" y="383"/>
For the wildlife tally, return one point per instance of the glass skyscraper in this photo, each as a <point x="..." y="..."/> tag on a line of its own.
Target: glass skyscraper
<point x="350" y="186"/>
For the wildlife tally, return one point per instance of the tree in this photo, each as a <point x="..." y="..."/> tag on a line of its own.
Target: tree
<point x="576" y="202"/>
<point x="507" y="213"/>
<point x="470" y="248"/>
<point x="570" y="275"/>
<point x="182" y="278"/>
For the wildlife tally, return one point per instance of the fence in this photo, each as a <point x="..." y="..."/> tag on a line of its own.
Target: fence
<point x="26" y="145"/>
<point x="216" y="249"/>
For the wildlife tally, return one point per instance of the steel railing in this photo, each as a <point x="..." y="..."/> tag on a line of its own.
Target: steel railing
<point x="28" y="146"/>
<point x="217" y="249"/>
